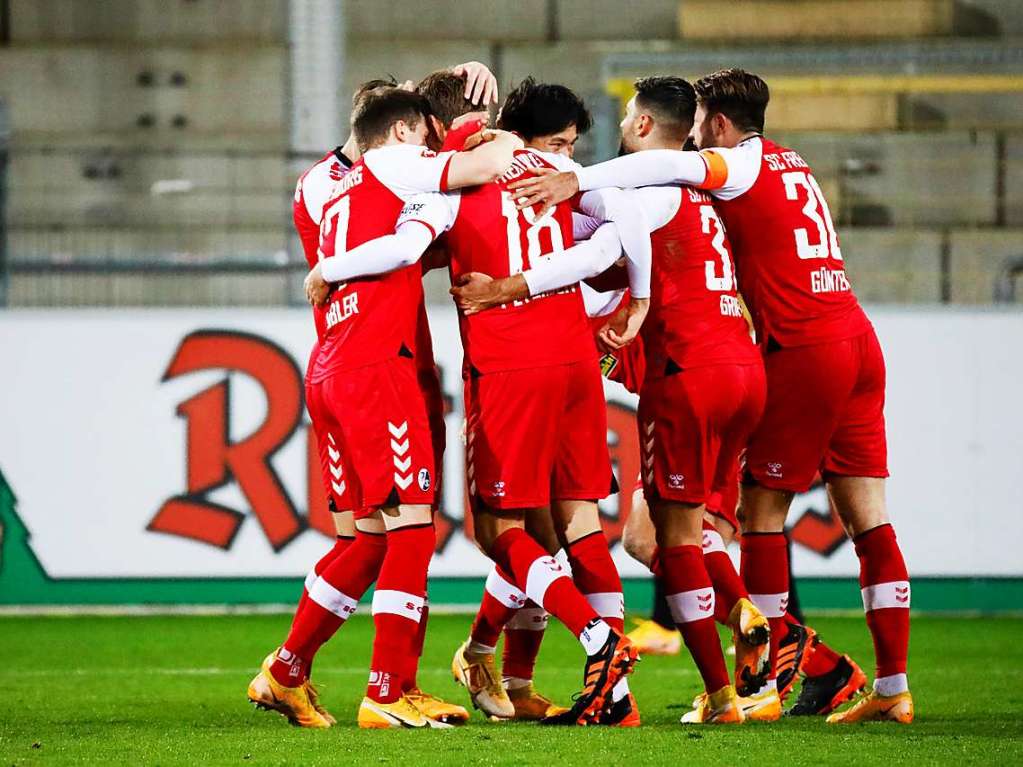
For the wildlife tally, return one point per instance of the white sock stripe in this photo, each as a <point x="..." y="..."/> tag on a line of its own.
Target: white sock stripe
<point x="712" y="541"/>
<point x="884" y="595"/>
<point x="542" y="573"/>
<point x="329" y="598"/>
<point x="310" y="579"/>
<point x="398" y="603"/>
<point x="608" y="604"/>
<point x="504" y="592"/>
<point x="771" y="605"/>
<point x="529" y="619"/>
<point x="690" y="606"/>
<point x="891" y="685"/>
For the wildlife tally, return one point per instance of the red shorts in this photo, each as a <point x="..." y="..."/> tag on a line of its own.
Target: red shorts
<point x="626" y="366"/>
<point x="825" y="411"/>
<point x="333" y="469"/>
<point x="433" y="395"/>
<point x="377" y="415"/>
<point x="537" y="435"/>
<point x="724" y="501"/>
<point x="692" y="427"/>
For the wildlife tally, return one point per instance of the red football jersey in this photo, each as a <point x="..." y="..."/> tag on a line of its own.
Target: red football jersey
<point x="311" y="193"/>
<point x="790" y="268"/>
<point x="485" y="233"/>
<point x="694" y="317"/>
<point x="372" y="319"/>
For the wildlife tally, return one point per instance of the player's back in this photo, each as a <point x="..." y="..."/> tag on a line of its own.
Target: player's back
<point x="312" y="192"/>
<point x="694" y="317"/>
<point x="490" y="235"/>
<point x="368" y="319"/>
<point x="789" y="263"/>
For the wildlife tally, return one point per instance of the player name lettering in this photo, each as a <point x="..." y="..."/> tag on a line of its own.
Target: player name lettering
<point x="521" y="164"/>
<point x="341" y="310"/>
<point x="538" y="296"/>
<point x="730" y="306"/>
<point x="784" y="161"/>
<point x="829" y="281"/>
<point x="353" y="177"/>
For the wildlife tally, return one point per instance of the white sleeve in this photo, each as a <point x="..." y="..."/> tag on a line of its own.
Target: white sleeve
<point x="408" y="170"/>
<point x="583" y="226"/>
<point x="600" y="304"/>
<point x="379" y="256"/>
<point x="423" y="219"/>
<point x="736" y="168"/>
<point x="652" y="167"/>
<point x="580" y="262"/>
<point x="633" y="230"/>
<point x="658" y="203"/>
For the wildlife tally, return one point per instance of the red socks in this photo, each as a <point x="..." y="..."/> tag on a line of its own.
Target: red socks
<point x="333" y="597"/>
<point x="765" y="569"/>
<point x="522" y="638"/>
<point x="691" y="599"/>
<point x="728" y="586"/>
<point x="545" y="581"/>
<point x="596" y="576"/>
<point x="341" y="543"/>
<point x="501" y="599"/>
<point x="410" y="668"/>
<point x="397" y="609"/>
<point x="884" y="585"/>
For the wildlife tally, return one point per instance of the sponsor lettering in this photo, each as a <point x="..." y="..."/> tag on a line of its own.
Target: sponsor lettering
<point x="785" y="161"/>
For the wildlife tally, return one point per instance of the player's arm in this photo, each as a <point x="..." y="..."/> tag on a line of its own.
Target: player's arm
<point x="704" y="170"/>
<point x="475" y="292"/>
<point x="487" y="162"/>
<point x="420" y="222"/>
<point x="614" y="205"/>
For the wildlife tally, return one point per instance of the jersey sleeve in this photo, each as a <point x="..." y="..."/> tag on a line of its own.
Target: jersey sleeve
<point x="732" y="171"/>
<point x="633" y="229"/>
<point x="581" y="261"/>
<point x="437" y="212"/>
<point x="408" y="170"/>
<point x="652" y="167"/>
<point x="583" y="226"/>
<point x="658" y="203"/>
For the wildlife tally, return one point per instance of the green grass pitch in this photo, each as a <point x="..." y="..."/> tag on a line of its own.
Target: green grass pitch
<point x="171" y="690"/>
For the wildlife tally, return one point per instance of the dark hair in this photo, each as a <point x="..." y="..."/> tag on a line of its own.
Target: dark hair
<point x="671" y="101"/>
<point x="381" y="108"/>
<point x="445" y="93"/>
<point x="738" y="95"/>
<point x="541" y="109"/>
<point x="372" y="85"/>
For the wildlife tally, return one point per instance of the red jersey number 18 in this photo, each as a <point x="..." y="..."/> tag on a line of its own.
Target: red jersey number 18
<point x="517" y="260"/>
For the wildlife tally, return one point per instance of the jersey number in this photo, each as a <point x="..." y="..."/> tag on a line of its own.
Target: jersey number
<point x="726" y="281"/>
<point x="335" y="225"/>
<point x="534" y="225"/>
<point x="816" y="209"/>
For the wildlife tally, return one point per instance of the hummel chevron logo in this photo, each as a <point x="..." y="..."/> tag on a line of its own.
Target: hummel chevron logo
<point x="339" y="488"/>
<point x="334" y="454"/>
<point x="336" y="471"/>
<point x="649" y="445"/>
<point x="330" y="438"/>
<point x="400" y="448"/>
<point x="397" y="431"/>
<point x="402" y="482"/>
<point x="402" y="465"/>
<point x="649" y="428"/>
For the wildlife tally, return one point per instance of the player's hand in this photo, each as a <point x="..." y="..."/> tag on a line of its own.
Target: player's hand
<point x="316" y="288"/>
<point x="465" y="132"/>
<point x="480" y="83"/>
<point x="474" y="292"/>
<point x="545" y="188"/>
<point x="624" y="326"/>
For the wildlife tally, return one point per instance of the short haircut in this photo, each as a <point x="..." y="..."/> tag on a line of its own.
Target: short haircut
<point x="739" y="95"/>
<point x="381" y="108"/>
<point x="445" y="93"/>
<point x="670" y="100"/>
<point x="542" y="109"/>
<point x="372" y="85"/>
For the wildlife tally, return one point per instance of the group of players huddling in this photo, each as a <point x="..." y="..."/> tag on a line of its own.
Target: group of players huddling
<point x="634" y="268"/>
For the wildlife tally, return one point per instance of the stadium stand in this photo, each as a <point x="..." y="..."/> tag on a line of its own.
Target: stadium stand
<point x="166" y="134"/>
